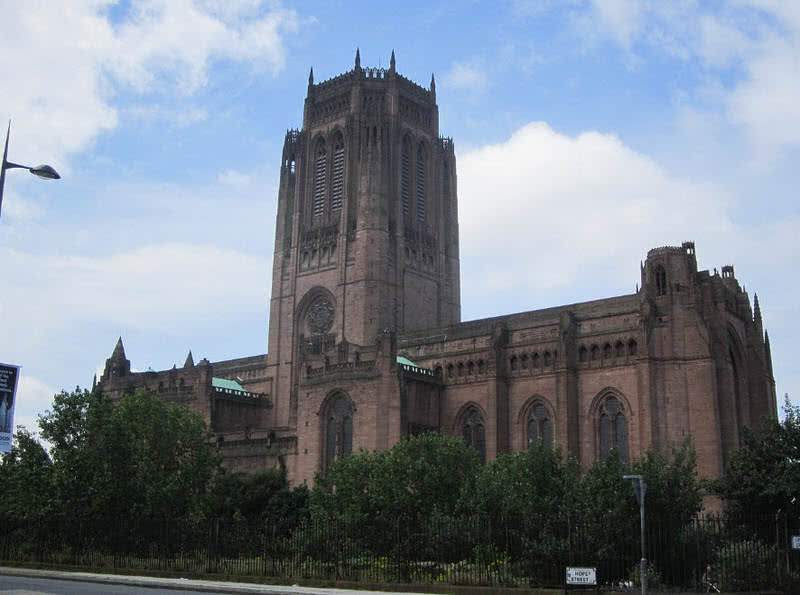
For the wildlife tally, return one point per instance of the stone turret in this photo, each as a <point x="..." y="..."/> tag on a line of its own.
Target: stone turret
<point x="117" y="365"/>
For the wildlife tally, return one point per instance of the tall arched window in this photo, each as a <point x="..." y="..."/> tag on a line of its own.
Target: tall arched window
<point x="405" y="175"/>
<point x="540" y="427"/>
<point x="661" y="280"/>
<point x="613" y="429"/>
<point x="420" y="182"/>
<point x="338" y="429"/>
<point x="337" y="179"/>
<point x="320" y="172"/>
<point x="474" y="432"/>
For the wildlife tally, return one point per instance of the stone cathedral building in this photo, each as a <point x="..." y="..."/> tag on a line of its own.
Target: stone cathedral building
<point x="366" y="342"/>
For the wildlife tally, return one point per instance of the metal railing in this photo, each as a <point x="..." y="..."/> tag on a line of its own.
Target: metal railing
<point x="746" y="554"/>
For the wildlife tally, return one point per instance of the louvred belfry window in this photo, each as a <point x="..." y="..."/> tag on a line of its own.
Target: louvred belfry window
<point x="420" y="186"/>
<point x="320" y="170"/>
<point x="337" y="185"/>
<point x="405" y="184"/>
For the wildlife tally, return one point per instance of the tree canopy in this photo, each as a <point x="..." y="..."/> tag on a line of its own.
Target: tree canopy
<point x="763" y="476"/>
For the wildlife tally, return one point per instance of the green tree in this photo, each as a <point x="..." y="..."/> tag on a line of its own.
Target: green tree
<point x="140" y="457"/>
<point x="674" y="491"/>
<point x="264" y="495"/>
<point x="763" y="476"/>
<point x="26" y="478"/>
<point x="417" y="476"/>
<point x="157" y="457"/>
<point x="73" y="426"/>
<point x="531" y="483"/>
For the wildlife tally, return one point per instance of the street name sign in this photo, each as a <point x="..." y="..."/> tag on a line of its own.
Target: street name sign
<point x="581" y="576"/>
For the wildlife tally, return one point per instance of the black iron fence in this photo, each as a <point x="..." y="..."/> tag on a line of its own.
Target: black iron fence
<point x="745" y="553"/>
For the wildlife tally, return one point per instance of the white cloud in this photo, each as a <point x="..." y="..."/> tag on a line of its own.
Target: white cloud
<point x="180" y="37"/>
<point x="153" y="288"/>
<point x="80" y="58"/>
<point x="158" y="113"/>
<point x="751" y="45"/>
<point x="622" y="19"/>
<point x="33" y="397"/>
<point x="231" y="177"/>
<point x="569" y="207"/>
<point x="467" y="76"/>
<point x="766" y="102"/>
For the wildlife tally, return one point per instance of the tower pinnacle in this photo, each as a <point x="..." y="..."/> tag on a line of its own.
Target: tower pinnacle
<point x="756" y="309"/>
<point x="311" y="77"/>
<point x="119" y="351"/>
<point x="358" y="59"/>
<point x="392" y="62"/>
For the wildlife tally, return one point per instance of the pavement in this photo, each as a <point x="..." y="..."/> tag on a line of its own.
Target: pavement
<point x="182" y="583"/>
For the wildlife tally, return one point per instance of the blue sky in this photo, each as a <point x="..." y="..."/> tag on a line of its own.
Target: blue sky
<point x="586" y="132"/>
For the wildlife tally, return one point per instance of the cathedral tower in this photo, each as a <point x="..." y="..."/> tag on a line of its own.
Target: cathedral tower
<point x="366" y="236"/>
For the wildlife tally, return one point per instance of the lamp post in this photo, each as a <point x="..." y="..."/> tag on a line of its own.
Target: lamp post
<point x="640" y="487"/>
<point x="43" y="171"/>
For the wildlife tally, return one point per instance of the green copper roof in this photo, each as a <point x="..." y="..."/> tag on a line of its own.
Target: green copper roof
<point x="406" y="362"/>
<point x="225" y="383"/>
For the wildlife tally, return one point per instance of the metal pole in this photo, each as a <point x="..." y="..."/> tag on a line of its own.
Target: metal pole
<point x="643" y="570"/>
<point x="640" y="489"/>
<point x="3" y="166"/>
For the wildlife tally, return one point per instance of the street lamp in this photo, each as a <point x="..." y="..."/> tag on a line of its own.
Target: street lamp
<point x="43" y="171"/>
<point x="640" y="487"/>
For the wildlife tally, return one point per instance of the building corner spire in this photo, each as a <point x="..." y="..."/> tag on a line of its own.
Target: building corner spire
<point x="119" y="351"/>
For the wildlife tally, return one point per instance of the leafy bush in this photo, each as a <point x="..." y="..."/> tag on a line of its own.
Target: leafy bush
<point x="747" y="565"/>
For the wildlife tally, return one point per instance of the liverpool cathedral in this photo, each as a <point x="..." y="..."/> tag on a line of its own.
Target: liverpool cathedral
<point x="366" y="343"/>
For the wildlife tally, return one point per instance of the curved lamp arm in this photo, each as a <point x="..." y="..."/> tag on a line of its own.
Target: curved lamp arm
<point x="43" y="171"/>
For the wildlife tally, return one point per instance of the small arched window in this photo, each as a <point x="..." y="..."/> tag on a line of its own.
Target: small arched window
<point x="450" y="370"/>
<point x="595" y="353"/>
<point x="540" y="426"/>
<point x="661" y="280"/>
<point x="582" y="353"/>
<point x="481" y="367"/>
<point x="513" y="362"/>
<point x="632" y="347"/>
<point x="524" y="361"/>
<point x="320" y="173"/>
<point x="607" y="352"/>
<point x="338" y="430"/>
<point x="535" y="361"/>
<point x="474" y="432"/>
<point x="337" y="179"/>
<point x="460" y="368"/>
<point x="470" y="369"/>
<point x="613" y="429"/>
<point x="547" y="358"/>
<point x="405" y="175"/>
<point x="420" y="182"/>
<point x="620" y="349"/>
